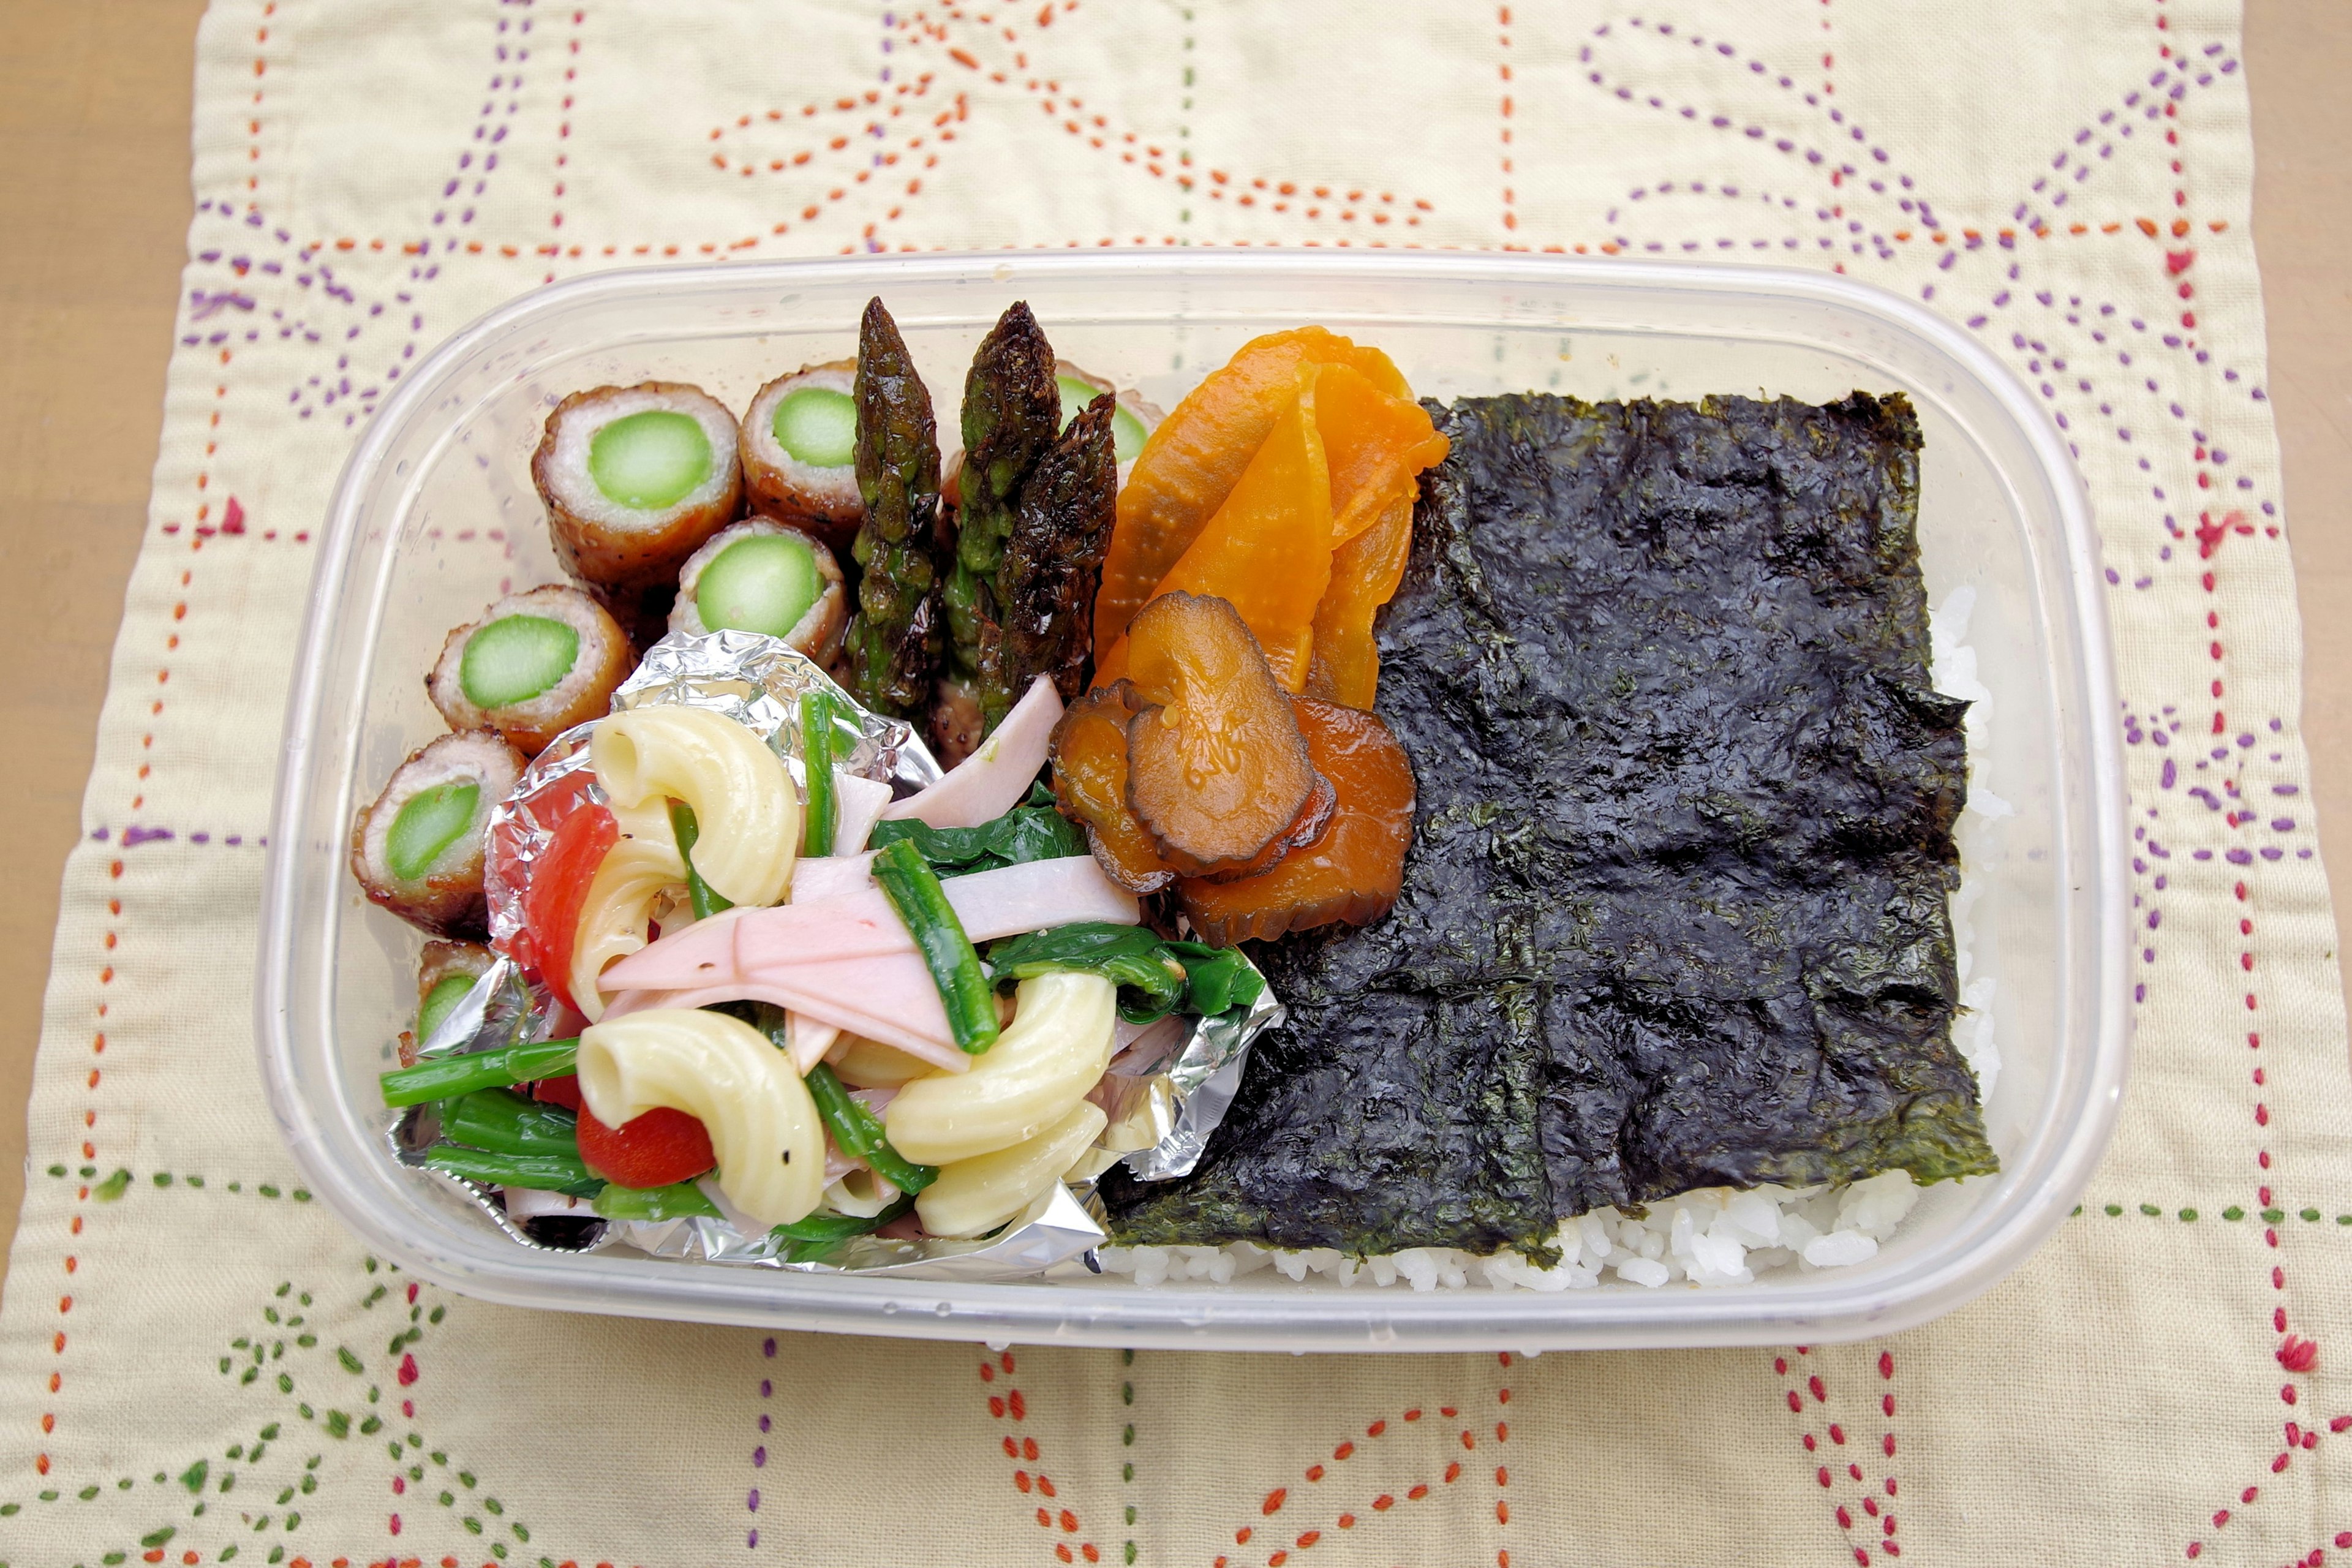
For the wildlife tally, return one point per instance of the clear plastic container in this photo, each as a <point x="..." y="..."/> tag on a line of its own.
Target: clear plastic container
<point x="436" y="516"/>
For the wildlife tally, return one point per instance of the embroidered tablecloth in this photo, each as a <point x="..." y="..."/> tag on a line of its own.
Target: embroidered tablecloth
<point x="197" y="1365"/>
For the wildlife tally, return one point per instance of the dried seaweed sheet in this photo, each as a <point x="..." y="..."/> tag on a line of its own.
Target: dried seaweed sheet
<point x="1676" y="911"/>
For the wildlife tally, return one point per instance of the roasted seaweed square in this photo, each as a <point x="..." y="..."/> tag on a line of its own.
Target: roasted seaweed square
<point x="1676" y="913"/>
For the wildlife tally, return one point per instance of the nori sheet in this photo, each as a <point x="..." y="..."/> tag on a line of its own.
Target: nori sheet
<point x="1674" y="915"/>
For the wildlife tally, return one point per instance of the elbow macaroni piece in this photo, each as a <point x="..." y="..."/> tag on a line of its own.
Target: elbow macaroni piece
<point x="745" y="806"/>
<point x="764" y="1126"/>
<point x="1056" y="1047"/>
<point x="972" y="1197"/>
<point x="612" y="916"/>
<point x="861" y="1064"/>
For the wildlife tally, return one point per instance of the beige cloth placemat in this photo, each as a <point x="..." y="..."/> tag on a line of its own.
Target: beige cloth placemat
<point x="196" y="1364"/>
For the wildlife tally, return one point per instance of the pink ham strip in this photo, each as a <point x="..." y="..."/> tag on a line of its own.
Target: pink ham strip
<point x="699" y="953"/>
<point x="993" y="779"/>
<point x="807" y="1040"/>
<point x="830" y="876"/>
<point x="840" y="993"/>
<point x="858" y="804"/>
<point x="769" y="943"/>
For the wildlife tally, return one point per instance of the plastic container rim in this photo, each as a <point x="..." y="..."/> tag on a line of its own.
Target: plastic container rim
<point x="1306" y="1320"/>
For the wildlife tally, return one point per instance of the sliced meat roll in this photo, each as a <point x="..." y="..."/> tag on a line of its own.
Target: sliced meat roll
<point x="417" y="849"/>
<point x="532" y="666"/>
<point x="763" y="576"/>
<point x="634" y="480"/>
<point x="445" y="971"/>
<point x="1130" y="426"/>
<point x="798" y="445"/>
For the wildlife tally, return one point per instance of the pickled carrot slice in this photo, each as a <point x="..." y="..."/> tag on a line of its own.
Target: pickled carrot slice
<point x="1365" y="572"/>
<point x="1267" y="550"/>
<point x="1375" y="441"/>
<point x="1198" y="455"/>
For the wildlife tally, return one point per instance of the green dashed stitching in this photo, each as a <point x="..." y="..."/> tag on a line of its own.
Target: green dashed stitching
<point x="2234" y="1213"/>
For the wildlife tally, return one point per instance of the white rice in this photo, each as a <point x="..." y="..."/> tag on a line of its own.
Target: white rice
<point x="1714" y="1235"/>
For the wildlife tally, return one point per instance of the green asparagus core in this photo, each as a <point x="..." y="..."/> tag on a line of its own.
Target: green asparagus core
<point x="1127" y="432"/>
<point x="818" y="426"/>
<point x="763" y="583"/>
<point x="707" y="900"/>
<point x="650" y="461"/>
<point x="914" y="891"/>
<point x="516" y="658"/>
<point x="446" y="993"/>
<point x="429" y="821"/>
<point x="824" y="815"/>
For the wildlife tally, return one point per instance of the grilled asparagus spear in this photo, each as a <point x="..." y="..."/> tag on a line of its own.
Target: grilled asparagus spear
<point x="1012" y="409"/>
<point x="894" y="641"/>
<point x="1044" y="585"/>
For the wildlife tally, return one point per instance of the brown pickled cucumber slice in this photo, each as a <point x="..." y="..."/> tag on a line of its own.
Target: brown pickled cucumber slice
<point x="1089" y="753"/>
<point x="1354" y="872"/>
<point x="1217" y="771"/>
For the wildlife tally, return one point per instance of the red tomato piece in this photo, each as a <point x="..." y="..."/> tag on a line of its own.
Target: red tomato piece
<point x="563" y="1091"/>
<point x="656" y="1149"/>
<point x="559" y="887"/>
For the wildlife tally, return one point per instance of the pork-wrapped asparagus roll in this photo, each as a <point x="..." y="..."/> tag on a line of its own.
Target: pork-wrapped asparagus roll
<point x="445" y="971"/>
<point x="764" y="576"/>
<point x="417" y="849"/>
<point x="1131" y="423"/>
<point x="635" y="478"/>
<point x="799" y="446"/>
<point x="532" y="666"/>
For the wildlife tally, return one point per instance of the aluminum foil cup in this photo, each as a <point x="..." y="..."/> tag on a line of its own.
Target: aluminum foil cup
<point x="1167" y="1090"/>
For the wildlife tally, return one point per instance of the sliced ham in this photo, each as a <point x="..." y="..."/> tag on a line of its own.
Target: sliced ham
<point x="807" y="1040"/>
<point x="700" y="952"/>
<point x="858" y="805"/>
<point x="993" y="779"/>
<point x="1028" y="896"/>
<point x="887" y="997"/>
<point x="1034" y="895"/>
<point x="829" y="876"/>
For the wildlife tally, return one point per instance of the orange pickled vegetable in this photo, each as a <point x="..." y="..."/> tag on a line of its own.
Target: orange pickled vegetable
<point x="1374" y="441"/>
<point x="1089" y="754"/>
<point x="1365" y="572"/>
<point x="1355" y="871"/>
<point x="1198" y="455"/>
<point x="1267" y="550"/>
<point x="1217" y="771"/>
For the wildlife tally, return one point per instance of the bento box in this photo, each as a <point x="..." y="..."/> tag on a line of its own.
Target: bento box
<point x="436" y="514"/>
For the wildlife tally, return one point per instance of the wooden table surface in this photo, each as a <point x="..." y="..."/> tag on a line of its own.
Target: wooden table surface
<point x="94" y="105"/>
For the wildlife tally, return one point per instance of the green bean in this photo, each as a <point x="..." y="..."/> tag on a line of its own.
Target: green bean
<point x="816" y="1232"/>
<point x="816" y="758"/>
<point x="706" y="902"/>
<point x="679" y="1202"/>
<point x="858" y="1134"/>
<point x="541" y="1173"/>
<point x="505" y="1122"/>
<point x="908" y="880"/>
<point x="445" y="1078"/>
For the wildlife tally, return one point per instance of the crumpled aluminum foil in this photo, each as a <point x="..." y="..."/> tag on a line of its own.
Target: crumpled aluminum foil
<point x="1164" y="1094"/>
<point x="755" y="680"/>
